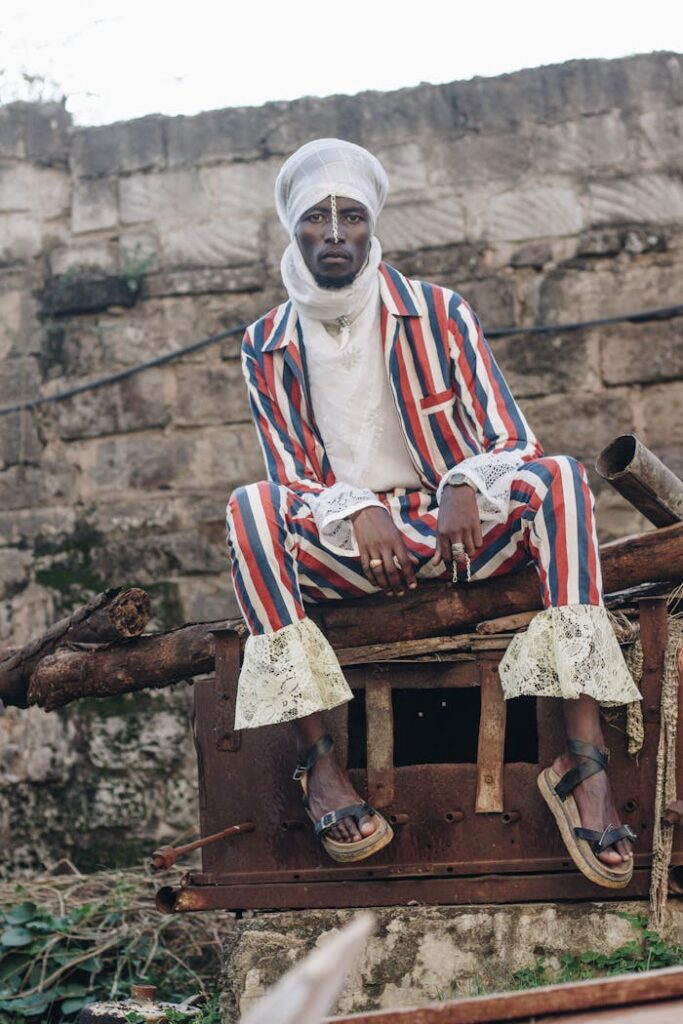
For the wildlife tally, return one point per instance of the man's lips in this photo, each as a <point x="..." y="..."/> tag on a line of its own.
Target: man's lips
<point x="334" y="256"/>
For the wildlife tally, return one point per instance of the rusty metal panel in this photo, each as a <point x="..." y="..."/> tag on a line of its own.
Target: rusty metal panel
<point x="443" y="851"/>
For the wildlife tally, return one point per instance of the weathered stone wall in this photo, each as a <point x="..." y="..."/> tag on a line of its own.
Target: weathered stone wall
<point x="549" y="195"/>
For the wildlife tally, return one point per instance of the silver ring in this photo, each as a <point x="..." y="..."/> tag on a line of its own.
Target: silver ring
<point x="458" y="549"/>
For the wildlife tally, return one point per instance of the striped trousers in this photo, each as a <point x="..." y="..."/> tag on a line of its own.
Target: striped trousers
<point x="279" y="562"/>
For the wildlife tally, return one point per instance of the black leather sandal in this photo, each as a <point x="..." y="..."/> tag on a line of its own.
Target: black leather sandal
<point x="584" y="844"/>
<point x="344" y="852"/>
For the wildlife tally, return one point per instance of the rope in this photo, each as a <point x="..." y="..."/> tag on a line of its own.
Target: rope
<point x="662" y="839"/>
<point x="645" y="316"/>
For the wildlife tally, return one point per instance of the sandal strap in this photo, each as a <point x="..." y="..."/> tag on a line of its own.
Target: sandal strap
<point x="312" y="755"/>
<point x="597" y="762"/>
<point x="329" y="820"/>
<point x="601" y="840"/>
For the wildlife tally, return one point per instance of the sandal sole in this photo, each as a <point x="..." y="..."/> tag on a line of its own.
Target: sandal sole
<point x="567" y="816"/>
<point x="346" y="853"/>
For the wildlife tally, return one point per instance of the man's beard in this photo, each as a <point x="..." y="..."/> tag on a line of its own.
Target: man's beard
<point x="325" y="281"/>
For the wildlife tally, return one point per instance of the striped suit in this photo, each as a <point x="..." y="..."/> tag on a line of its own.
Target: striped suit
<point x="455" y="410"/>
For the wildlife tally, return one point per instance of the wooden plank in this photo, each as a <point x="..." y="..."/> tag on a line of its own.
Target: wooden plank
<point x="626" y="990"/>
<point x="491" y="748"/>
<point x="379" y="715"/>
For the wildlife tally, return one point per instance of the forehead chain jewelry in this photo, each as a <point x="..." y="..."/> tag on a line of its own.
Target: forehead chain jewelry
<point x="335" y="221"/>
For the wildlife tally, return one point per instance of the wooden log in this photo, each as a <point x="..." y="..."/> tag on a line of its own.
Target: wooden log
<point x="435" y="609"/>
<point x="506" y="624"/>
<point x="642" y="479"/>
<point x="147" y="662"/>
<point x="110" y="616"/>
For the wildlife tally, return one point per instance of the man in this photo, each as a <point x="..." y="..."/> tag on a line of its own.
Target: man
<point x="395" y="452"/>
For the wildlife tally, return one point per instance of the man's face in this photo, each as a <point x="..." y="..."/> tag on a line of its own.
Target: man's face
<point x="334" y="264"/>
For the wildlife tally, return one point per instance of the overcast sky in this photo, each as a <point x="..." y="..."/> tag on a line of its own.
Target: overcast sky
<point x="123" y="59"/>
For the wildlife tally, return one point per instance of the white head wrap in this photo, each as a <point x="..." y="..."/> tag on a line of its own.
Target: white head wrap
<point x="319" y="169"/>
<point x="329" y="167"/>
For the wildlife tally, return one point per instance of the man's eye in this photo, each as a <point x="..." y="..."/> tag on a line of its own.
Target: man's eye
<point x="314" y="218"/>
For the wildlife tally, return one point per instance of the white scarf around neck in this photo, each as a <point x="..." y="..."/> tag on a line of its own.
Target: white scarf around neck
<point x="328" y="304"/>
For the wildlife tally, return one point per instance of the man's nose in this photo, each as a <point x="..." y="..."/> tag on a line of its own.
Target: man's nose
<point x="329" y="231"/>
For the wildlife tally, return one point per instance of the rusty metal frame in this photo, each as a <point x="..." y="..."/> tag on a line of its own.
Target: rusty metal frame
<point x="465" y="833"/>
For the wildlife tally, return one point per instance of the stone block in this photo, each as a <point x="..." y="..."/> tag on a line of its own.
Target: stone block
<point x="96" y="258"/>
<point x="41" y="191"/>
<point x="28" y="487"/>
<point x="206" y="599"/>
<point x="12" y="305"/>
<point x="642" y="353"/>
<point x="94" y="205"/>
<point x="210" y="394"/>
<point x="654" y="198"/>
<point x="12" y="144"/>
<point x="155" y="556"/>
<point x="580" y="424"/>
<point x="240" y="187"/>
<point x="593" y="142"/>
<point x="20" y="238"/>
<point x="231" y="242"/>
<point x="607" y="290"/>
<point x="615" y="516"/>
<point x="127" y="146"/>
<point x="15" y="566"/>
<point x="662" y="132"/>
<point x="472" y="159"/>
<point x="138" y="403"/>
<point x="663" y="423"/>
<point x="540" y="365"/>
<point x="407" y="168"/>
<point x="20" y="442"/>
<point x="214" y="135"/>
<point x="408" y="226"/>
<point x="532" y="254"/>
<point x="47" y="131"/>
<point x="168" y="197"/>
<point x="492" y="298"/>
<point x="533" y="213"/>
<point x="24" y="526"/>
<point x="210" y="280"/>
<point x="419" y="954"/>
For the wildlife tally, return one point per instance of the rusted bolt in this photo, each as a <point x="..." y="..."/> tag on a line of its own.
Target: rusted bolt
<point x="630" y="805"/>
<point x="509" y="817"/>
<point x="399" y="819"/>
<point x="453" y="816"/>
<point x="488" y="778"/>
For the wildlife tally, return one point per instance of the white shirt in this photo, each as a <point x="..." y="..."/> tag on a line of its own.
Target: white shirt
<point x="353" y="404"/>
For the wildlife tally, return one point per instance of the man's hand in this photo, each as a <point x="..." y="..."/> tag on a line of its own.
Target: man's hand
<point x="458" y="522"/>
<point x="378" y="538"/>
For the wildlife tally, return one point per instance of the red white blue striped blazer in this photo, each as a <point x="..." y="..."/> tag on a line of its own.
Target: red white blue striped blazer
<point x="451" y="398"/>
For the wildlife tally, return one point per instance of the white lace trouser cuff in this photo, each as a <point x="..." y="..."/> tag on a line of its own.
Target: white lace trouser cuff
<point x="567" y="652"/>
<point x="288" y="674"/>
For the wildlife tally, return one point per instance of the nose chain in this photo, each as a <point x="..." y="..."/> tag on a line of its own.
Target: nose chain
<point x="335" y="221"/>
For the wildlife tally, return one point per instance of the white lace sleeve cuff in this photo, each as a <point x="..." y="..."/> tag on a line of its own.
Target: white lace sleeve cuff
<point x="331" y="507"/>
<point x="491" y="474"/>
<point x="288" y="674"/>
<point x="567" y="652"/>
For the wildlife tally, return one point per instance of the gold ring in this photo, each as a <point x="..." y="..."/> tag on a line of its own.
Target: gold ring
<point x="375" y="563"/>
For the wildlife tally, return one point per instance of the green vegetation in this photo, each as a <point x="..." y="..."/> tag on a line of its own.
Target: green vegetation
<point x="134" y="266"/>
<point x="646" y="952"/>
<point x="88" y="939"/>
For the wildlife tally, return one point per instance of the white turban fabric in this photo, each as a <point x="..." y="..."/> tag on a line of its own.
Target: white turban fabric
<point x="329" y="167"/>
<point x="319" y="169"/>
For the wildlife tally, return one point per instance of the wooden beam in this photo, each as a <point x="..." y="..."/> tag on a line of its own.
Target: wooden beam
<point x="491" y="748"/>
<point x="379" y="714"/>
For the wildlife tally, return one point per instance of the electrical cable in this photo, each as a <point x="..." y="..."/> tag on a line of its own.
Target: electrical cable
<point x="645" y="316"/>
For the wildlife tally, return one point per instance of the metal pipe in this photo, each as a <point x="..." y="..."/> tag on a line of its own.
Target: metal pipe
<point x="642" y="479"/>
<point x="510" y="817"/>
<point x="166" y="856"/>
<point x="454" y="816"/>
